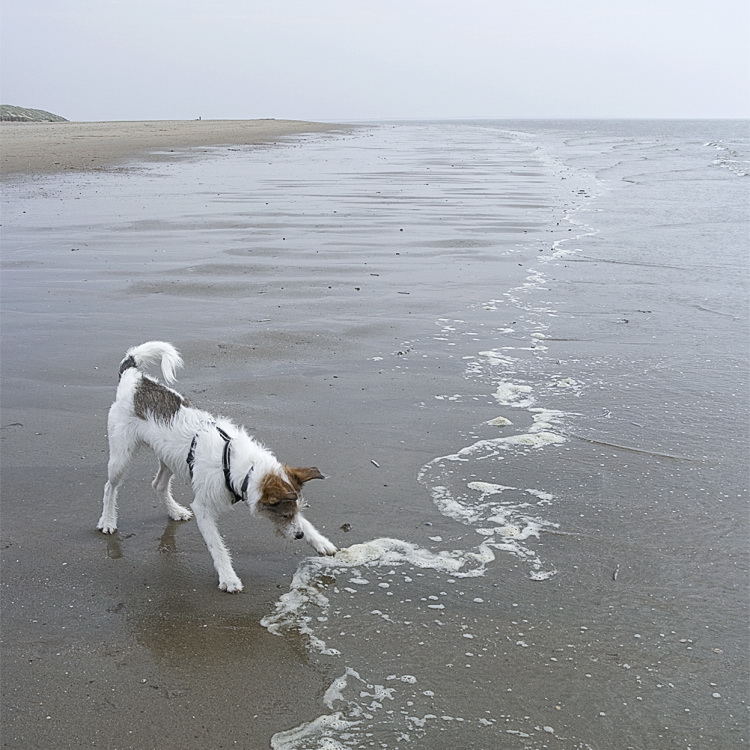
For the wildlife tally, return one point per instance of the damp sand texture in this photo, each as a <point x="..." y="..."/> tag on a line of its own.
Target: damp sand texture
<point x="513" y="350"/>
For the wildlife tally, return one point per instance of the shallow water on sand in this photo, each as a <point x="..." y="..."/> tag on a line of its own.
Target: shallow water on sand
<point x="601" y="459"/>
<point x="519" y="350"/>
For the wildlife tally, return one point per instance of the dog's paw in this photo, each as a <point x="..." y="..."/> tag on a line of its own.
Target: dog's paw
<point x="180" y="514"/>
<point x="325" y="548"/>
<point x="233" y="586"/>
<point x="106" y="528"/>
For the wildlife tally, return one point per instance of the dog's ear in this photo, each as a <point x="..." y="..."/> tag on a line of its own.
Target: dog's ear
<point x="275" y="490"/>
<point x="301" y="475"/>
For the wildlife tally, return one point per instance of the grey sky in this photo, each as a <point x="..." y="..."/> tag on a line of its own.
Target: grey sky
<point x="373" y="59"/>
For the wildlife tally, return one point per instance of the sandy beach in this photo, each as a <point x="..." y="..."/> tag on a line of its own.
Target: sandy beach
<point x="44" y="148"/>
<point x="502" y="345"/>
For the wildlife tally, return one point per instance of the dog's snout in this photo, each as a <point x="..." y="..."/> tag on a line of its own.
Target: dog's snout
<point x="299" y="534"/>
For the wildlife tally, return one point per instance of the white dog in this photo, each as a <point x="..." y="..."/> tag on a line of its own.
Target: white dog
<point x="221" y="461"/>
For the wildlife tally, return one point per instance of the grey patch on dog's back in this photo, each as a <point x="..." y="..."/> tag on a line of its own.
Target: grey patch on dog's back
<point x="152" y="398"/>
<point x="126" y="364"/>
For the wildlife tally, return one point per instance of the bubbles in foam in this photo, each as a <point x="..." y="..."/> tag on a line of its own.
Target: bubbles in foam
<point x="356" y="706"/>
<point x="514" y="394"/>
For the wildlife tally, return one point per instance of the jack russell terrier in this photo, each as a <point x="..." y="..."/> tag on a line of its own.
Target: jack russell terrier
<point x="219" y="459"/>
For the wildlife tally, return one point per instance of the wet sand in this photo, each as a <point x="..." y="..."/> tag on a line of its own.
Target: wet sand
<point x="126" y="642"/>
<point x="329" y="299"/>
<point x="47" y="147"/>
<point x="87" y="643"/>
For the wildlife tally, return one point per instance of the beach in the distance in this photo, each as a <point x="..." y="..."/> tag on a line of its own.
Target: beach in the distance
<point x="46" y="147"/>
<point x="515" y="349"/>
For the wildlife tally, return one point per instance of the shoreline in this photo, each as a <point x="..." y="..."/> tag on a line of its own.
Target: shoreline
<point x="32" y="148"/>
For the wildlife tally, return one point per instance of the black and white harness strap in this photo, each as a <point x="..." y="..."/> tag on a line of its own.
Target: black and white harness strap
<point x="225" y="465"/>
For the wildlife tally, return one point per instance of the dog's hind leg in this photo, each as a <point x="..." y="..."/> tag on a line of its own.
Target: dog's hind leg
<point x="120" y="454"/>
<point x="163" y="485"/>
<point x="228" y="580"/>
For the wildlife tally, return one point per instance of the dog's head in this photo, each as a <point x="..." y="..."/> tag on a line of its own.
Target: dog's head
<point x="281" y="498"/>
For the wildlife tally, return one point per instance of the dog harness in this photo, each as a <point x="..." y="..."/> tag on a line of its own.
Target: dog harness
<point x="225" y="457"/>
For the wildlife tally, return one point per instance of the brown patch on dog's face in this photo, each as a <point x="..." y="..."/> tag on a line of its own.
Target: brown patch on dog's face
<point x="274" y="491"/>
<point x="279" y="502"/>
<point x="280" y="499"/>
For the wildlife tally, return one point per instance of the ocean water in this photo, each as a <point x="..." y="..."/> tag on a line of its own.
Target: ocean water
<point x="592" y="583"/>
<point x="522" y="351"/>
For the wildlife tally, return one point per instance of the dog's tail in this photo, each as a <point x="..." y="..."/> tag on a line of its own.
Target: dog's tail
<point x="150" y="353"/>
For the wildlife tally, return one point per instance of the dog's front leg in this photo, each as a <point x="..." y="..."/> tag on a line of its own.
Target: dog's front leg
<point x="315" y="539"/>
<point x="228" y="580"/>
